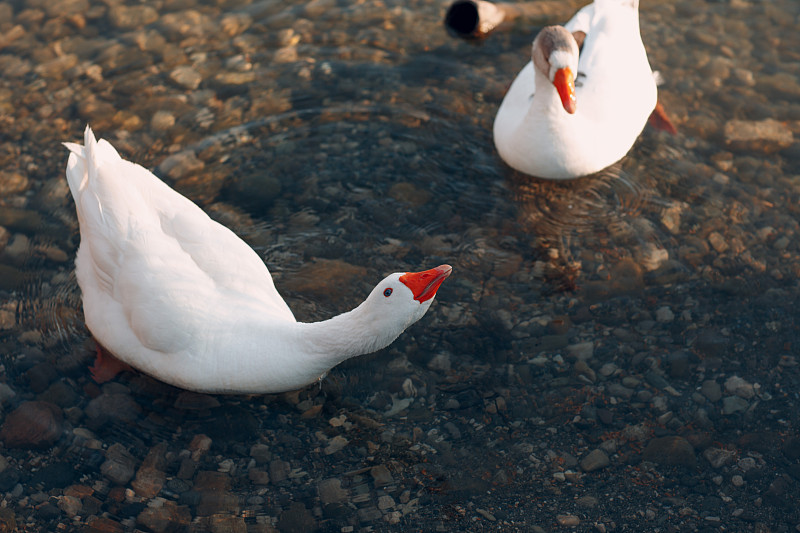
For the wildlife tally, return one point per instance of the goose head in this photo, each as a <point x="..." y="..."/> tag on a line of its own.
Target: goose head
<point x="399" y="300"/>
<point x="555" y="55"/>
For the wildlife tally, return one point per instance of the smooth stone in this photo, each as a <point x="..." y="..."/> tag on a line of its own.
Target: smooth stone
<point x="70" y="505"/>
<point x="765" y="136"/>
<point x="150" y="477"/>
<point x="671" y="450"/>
<point x="719" y="457"/>
<point x="595" y="460"/>
<point x="119" y="466"/>
<point x="186" y="77"/>
<point x="381" y="476"/>
<point x="114" y="406"/>
<point x="260" y="452"/>
<point x="568" y="520"/>
<point x="12" y="183"/>
<point x="40" y="376"/>
<point x="167" y="517"/>
<point x="664" y="315"/>
<point x="740" y="387"/>
<point x="181" y="165"/>
<point x="296" y="519"/>
<point x="33" y="424"/>
<point x="131" y="17"/>
<point x="258" y="477"/>
<point x="224" y="523"/>
<point x="279" y="470"/>
<point x="60" y="393"/>
<point x="734" y="404"/>
<point x="331" y="491"/>
<point x="711" y="390"/>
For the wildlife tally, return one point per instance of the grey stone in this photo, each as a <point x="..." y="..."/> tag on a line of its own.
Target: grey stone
<point x="719" y="457"/>
<point x="595" y="460"/>
<point x="119" y="466"/>
<point x="711" y="390"/>
<point x="381" y="476"/>
<point x="331" y="491"/>
<point x="734" y="404"/>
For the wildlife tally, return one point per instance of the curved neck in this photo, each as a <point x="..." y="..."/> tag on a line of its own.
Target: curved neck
<point x="329" y="342"/>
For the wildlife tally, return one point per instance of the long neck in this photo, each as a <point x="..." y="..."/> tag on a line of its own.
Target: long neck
<point x="350" y="334"/>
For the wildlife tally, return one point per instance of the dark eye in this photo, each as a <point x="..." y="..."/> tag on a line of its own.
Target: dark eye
<point x="387" y="292"/>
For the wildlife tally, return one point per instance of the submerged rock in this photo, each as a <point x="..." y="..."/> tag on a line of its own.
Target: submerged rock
<point x="764" y="136"/>
<point x="33" y="424"/>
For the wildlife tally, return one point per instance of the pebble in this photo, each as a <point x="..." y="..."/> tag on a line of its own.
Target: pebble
<point x="734" y="404"/>
<point x="595" y="460"/>
<point x="765" y="136"/>
<point x="164" y="518"/>
<point x="186" y="77"/>
<point x="739" y="387"/>
<point x="711" y="390"/>
<point x="671" y="450"/>
<point x="279" y="470"/>
<point x="568" y="520"/>
<point x="119" y="466"/>
<point x="181" y="165"/>
<point x="34" y="424"/>
<point x="665" y="315"/>
<point x="12" y="183"/>
<point x="381" y="476"/>
<point x="331" y="491"/>
<point x="260" y="452"/>
<point x="719" y="457"/>
<point x="130" y="17"/>
<point x="111" y="406"/>
<point x="297" y="519"/>
<point x="150" y="477"/>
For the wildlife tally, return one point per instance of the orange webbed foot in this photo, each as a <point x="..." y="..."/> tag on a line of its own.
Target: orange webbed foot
<point x="106" y="366"/>
<point x="660" y="121"/>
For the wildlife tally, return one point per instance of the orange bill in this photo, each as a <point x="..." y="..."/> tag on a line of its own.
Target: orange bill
<point x="564" y="82"/>
<point x="425" y="284"/>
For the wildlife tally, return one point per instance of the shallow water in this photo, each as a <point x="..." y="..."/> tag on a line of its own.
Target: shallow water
<point x="645" y="315"/>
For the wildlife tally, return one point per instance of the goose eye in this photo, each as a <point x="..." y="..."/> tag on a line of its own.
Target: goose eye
<point x="387" y="292"/>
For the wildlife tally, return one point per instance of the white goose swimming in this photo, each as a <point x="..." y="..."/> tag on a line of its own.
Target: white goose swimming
<point x="574" y="110"/>
<point x="180" y="297"/>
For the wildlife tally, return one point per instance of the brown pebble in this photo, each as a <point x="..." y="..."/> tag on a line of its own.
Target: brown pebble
<point x="168" y="517"/>
<point x="764" y="136"/>
<point x="33" y="424"/>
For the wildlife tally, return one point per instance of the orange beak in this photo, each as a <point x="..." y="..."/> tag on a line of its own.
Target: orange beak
<point x="565" y="85"/>
<point x="425" y="284"/>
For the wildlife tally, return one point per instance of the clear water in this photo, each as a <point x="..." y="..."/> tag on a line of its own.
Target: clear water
<point x="333" y="135"/>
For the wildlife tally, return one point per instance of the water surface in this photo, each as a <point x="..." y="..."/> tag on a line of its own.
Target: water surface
<point x="617" y="351"/>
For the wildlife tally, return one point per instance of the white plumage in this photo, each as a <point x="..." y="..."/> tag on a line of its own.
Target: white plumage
<point x="614" y="94"/>
<point x="180" y="297"/>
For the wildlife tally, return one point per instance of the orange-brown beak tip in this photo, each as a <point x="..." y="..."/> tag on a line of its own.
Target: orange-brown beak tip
<point x="425" y="284"/>
<point x="564" y="82"/>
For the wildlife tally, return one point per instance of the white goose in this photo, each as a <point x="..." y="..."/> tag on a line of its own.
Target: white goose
<point x="574" y="110"/>
<point x="180" y="297"/>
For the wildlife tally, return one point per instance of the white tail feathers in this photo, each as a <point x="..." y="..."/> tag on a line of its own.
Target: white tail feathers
<point x="82" y="163"/>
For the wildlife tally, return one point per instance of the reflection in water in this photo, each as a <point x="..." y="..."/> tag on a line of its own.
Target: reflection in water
<point x="585" y="226"/>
